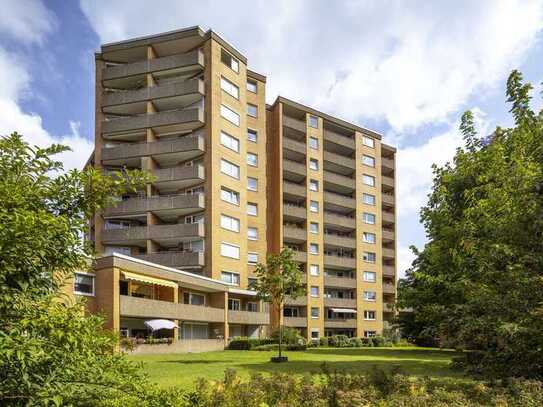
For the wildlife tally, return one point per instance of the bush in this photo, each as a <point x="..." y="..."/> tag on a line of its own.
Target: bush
<point x="296" y="346"/>
<point x="240" y="343"/>
<point x="268" y="347"/>
<point x="339" y="341"/>
<point x="290" y="336"/>
<point x="323" y="341"/>
<point x="356" y="342"/>
<point x="378" y="341"/>
<point x="367" y="342"/>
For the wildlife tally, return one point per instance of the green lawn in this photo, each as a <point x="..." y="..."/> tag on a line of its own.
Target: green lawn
<point x="183" y="369"/>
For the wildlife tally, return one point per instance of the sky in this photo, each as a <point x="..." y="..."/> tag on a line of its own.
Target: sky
<point x="407" y="70"/>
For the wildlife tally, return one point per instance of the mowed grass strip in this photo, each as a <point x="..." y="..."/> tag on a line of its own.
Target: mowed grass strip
<point x="183" y="369"/>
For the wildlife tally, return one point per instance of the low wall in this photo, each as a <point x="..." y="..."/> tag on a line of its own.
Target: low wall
<point x="180" y="346"/>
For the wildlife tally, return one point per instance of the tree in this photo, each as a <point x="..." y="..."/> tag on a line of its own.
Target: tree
<point x="278" y="278"/>
<point x="478" y="283"/>
<point x="51" y="353"/>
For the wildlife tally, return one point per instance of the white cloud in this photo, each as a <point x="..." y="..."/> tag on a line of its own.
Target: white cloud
<point x="407" y="63"/>
<point x="26" y="20"/>
<point x="405" y="258"/>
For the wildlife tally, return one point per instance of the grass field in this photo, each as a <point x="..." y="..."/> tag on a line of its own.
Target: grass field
<point x="184" y="369"/>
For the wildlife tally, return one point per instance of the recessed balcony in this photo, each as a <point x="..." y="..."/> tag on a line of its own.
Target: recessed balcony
<point x="388" y="218"/>
<point x="344" y="141"/>
<point x="339" y="183"/>
<point x="340" y="302"/>
<point x="162" y="234"/>
<point x="387" y="200"/>
<point x="339" y="282"/>
<point x="388" y="253"/>
<point x="294" y="124"/>
<point x="294" y="212"/>
<point x="294" y="171"/>
<point x="175" y="259"/>
<point x="248" y="318"/>
<point x="389" y="289"/>
<point x="178" y="177"/>
<point x="337" y="241"/>
<point x="339" y="262"/>
<point x="339" y="163"/>
<point x="388" y="236"/>
<point x="339" y="202"/>
<point x="296" y="322"/>
<point x="294" y="190"/>
<point x="295" y="235"/>
<point x="339" y="221"/>
<point x="340" y="323"/>
<point x="389" y="271"/>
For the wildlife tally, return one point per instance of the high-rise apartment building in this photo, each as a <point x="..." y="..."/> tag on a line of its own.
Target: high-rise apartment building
<point x="235" y="179"/>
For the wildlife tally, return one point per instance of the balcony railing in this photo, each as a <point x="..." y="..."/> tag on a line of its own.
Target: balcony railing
<point x="340" y="241"/>
<point x="340" y="323"/>
<point x="174" y="259"/>
<point x="298" y="322"/>
<point x="389" y="289"/>
<point x="388" y="253"/>
<point x="293" y="233"/>
<point x="155" y="232"/>
<point x="340" y="139"/>
<point x="387" y="163"/>
<point x="293" y="123"/>
<point x="138" y="205"/>
<point x="335" y="219"/>
<point x="339" y="200"/>
<point x="388" y="235"/>
<point x="180" y="173"/>
<point x="340" y="160"/>
<point x="294" y="145"/>
<point x="341" y="180"/>
<point x="388" y="217"/>
<point x="387" y="181"/>
<point x="341" y="282"/>
<point x="294" y="167"/>
<point x="294" y="211"/>
<point x="388" y="199"/>
<point x="340" y="302"/>
<point x="339" y="261"/>
<point x="248" y="318"/>
<point x="389" y="271"/>
<point x="294" y="189"/>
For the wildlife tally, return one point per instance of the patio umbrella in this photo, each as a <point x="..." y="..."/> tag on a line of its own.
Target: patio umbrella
<point x="156" y="324"/>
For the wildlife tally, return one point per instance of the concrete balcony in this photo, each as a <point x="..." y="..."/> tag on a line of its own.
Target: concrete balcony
<point x="185" y="91"/>
<point x="387" y="164"/>
<point x="389" y="253"/>
<point x="388" y="217"/>
<point x="388" y="307"/>
<point x="337" y="200"/>
<point x="340" y="323"/>
<point x="297" y="190"/>
<point x="174" y="259"/>
<point x="388" y="235"/>
<point x="300" y="256"/>
<point x="339" y="241"/>
<point x="160" y="122"/>
<point x="389" y="271"/>
<point x="339" y="163"/>
<point x="336" y="138"/>
<point x="292" y="234"/>
<point x="294" y="145"/>
<point x="297" y="322"/>
<point x="339" y="282"/>
<point x="293" y="123"/>
<point x="178" y="177"/>
<point x="340" y="302"/>
<point x="248" y="318"/>
<point x="291" y="211"/>
<point x="344" y="222"/>
<point x="146" y="308"/>
<point x="163" y="206"/>
<point x="339" y="262"/>
<point x="387" y="182"/>
<point x="180" y="62"/>
<point x="159" y="233"/>
<point x="388" y="200"/>
<point x="389" y="289"/>
<point x="293" y="170"/>
<point x="178" y="149"/>
<point x="339" y="183"/>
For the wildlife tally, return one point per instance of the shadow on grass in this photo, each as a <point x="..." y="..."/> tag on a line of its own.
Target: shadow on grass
<point x="398" y="353"/>
<point x="196" y="362"/>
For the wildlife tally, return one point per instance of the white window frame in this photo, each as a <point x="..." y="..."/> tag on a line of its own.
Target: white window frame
<point x="314" y="185"/>
<point x="234" y="301"/>
<point x="318" y="312"/>
<point x="249" y="112"/>
<point x="234" y="63"/>
<point x="311" y="291"/>
<point x="252" y="303"/>
<point x="226" y="245"/>
<point x="229" y="114"/>
<point x="366" y="216"/>
<point x="313" y="245"/>
<point x="230" y="223"/>
<point x="366" y="315"/>
<point x="93" y="276"/>
<point x="252" y="262"/>
<point x="365" y="236"/>
<point x="365" y="275"/>
<point x="249" y="180"/>
<point x="366" y="256"/>
<point x="251" y="162"/>
<point x="368" y="141"/>
<point x="367" y="298"/>
<point x="254" y="133"/>
<point x="368" y="180"/>
<point x="252" y="204"/>
<point x="314" y="140"/>
<point x="313" y="164"/>
<point x="311" y="224"/>
<point x="227" y="166"/>
<point x="253" y="84"/>
<point x="229" y="87"/>
<point x="314" y="269"/>
<point x="231" y="192"/>
<point x="368" y="160"/>
<point x="311" y="119"/>
<point x="251" y="228"/>
<point x="373" y="199"/>
<point x="229" y="141"/>
<point x="231" y="274"/>
<point x="311" y="204"/>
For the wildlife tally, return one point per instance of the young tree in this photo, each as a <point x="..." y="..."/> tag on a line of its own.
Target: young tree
<point x="278" y="278"/>
<point x="478" y="283"/>
<point x="50" y="352"/>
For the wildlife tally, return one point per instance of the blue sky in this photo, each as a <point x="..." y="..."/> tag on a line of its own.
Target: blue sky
<point x="405" y="69"/>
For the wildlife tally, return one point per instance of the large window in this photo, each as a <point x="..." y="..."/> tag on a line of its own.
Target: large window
<point x="368" y="180"/>
<point x="313" y="121"/>
<point x="84" y="284"/>
<point x="252" y="135"/>
<point x="369" y="161"/>
<point x="230" y="169"/>
<point x="368" y="237"/>
<point x="194" y="299"/>
<point x="252" y="184"/>
<point x="230" y="250"/>
<point x="368" y="218"/>
<point x="234" y="304"/>
<point x="229" y="88"/>
<point x="230" y="277"/>
<point x="229" y="142"/>
<point x="230" y="115"/>
<point x="370" y="276"/>
<point x="252" y="159"/>
<point x="229" y="61"/>
<point x="368" y="257"/>
<point x="252" y="307"/>
<point x="252" y="233"/>
<point x="370" y="295"/>
<point x="229" y="223"/>
<point x="252" y="209"/>
<point x="368" y="141"/>
<point x="252" y="86"/>
<point x="252" y="110"/>
<point x="368" y="199"/>
<point x="290" y="312"/>
<point x="230" y="196"/>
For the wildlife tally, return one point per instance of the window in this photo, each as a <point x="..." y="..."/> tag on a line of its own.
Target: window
<point x="368" y="141"/>
<point x="368" y="218"/>
<point x="370" y="295"/>
<point x="229" y="61"/>
<point x="314" y="227"/>
<point x="314" y="312"/>
<point x="314" y="291"/>
<point x="313" y="185"/>
<point x="252" y="159"/>
<point x="252" y="135"/>
<point x="252" y="307"/>
<point x="230" y="169"/>
<point x="290" y="312"/>
<point x="313" y="121"/>
<point x="230" y="223"/>
<point x="229" y="88"/>
<point x="230" y="196"/>
<point x="230" y="250"/>
<point x="84" y="284"/>
<point x="252" y="209"/>
<point x="251" y="281"/>
<point x="313" y="248"/>
<point x="315" y="333"/>
<point x="370" y="276"/>
<point x="252" y="110"/>
<point x="252" y="86"/>
<point x="314" y="269"/>
<point x="198" y="218"/>
<point x="368" y="199"/>
<point x="252" y="233"/>
<point x="314" y="206"/>
<point x="314" y="164"/>
<point x="234" y="304"/>
<point x="252" y="258"/>
<point x="369" y="315"/>
<point x="230" y="115"/>
<point x="369" y="161"/>
<point x="229" y="277"/>
<point x="314" y="143"/>
<point x="370" y="334"/>
<point x="368" y="237"/>
<point x="229" y="142"/>
<point x="368" y="257"/>
<point x="252" y="184"/>
<point x="368" y="180"/>
<point x="194" y="299"/>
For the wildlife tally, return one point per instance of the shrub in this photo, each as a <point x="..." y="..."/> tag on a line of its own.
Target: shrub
<point x="368" y="342"/>
<point x="323" y="341"/>
<point x="339" y="341"/>
<point x="290" y="336"/>
<point x="268" y="347"/>
<point x="297" y="346"/>
<point x="240" y="343"/>
<point x="355" y="342"/>
<point x="378" y="341"/>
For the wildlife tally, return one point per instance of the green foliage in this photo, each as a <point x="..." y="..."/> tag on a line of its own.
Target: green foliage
<point x="290" y="335"/>
<point x="338" y="341"/>
<point x="323" y="341"/>
<point x="478" y="283"/>
<point x="240" y="343"/>
<point x="356" y="342"/>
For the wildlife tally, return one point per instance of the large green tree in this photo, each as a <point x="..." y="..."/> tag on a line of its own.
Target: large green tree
<point x="478" y="282"/>
<point x="51" y="353"/>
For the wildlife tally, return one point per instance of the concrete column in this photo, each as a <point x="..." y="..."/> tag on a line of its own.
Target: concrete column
<point x="176" y="300"/>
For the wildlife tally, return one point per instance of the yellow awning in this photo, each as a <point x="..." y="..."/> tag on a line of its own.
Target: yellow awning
<point x="150" y="280"/>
